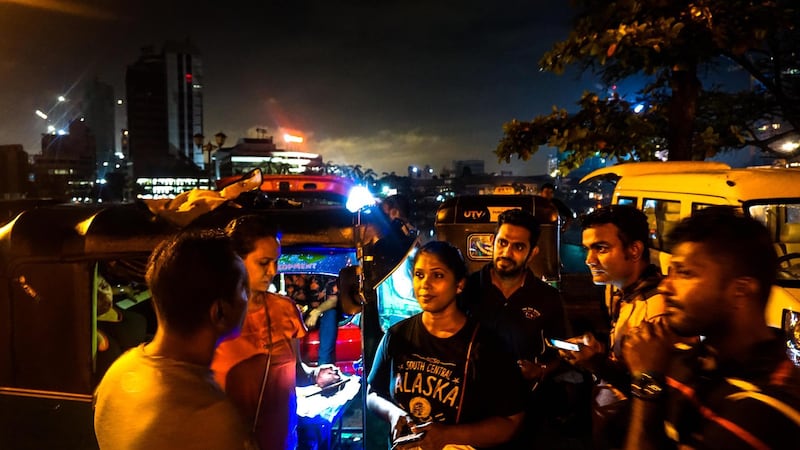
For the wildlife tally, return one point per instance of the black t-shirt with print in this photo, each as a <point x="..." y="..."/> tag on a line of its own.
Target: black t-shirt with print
<point x="425" y="375"/>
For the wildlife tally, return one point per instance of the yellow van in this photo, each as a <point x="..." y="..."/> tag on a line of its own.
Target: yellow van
<point x="670" y="191"/>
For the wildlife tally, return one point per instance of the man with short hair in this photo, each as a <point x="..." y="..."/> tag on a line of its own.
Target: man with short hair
<point x="507" y="298"/>
<point x="737" y="389"/>
<point x="617" y="254"/>
<point x="162" y="395"/>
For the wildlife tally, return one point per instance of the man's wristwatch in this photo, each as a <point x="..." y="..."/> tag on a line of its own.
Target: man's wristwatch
<point x="647" y="386"/>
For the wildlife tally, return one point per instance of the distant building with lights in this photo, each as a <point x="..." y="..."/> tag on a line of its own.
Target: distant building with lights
<point x="66" y="167"/>
<point x="164" y="93"/>
<point x="262" y="153"/>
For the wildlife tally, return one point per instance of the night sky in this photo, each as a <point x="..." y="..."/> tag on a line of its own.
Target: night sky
<point x="383" y="84"/>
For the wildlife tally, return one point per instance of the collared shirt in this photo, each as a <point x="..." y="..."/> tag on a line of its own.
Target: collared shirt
<point x="629" y="307"/>
<point x="533" y="312"/>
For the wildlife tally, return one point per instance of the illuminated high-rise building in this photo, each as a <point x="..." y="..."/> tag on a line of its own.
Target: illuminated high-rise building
<point x="165" y="110"/>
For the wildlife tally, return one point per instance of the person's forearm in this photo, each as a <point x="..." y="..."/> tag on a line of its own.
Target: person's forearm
<point x="485" y="433"/>
<point x="383" y="408"/>
<point x="646" y="429"/>
<point x="329" y="303"/>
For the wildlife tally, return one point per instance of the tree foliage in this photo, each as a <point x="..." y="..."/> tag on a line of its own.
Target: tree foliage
<point x="672" y="43"/>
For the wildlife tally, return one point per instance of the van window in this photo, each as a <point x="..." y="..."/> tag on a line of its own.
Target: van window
<point x="627" y="201"/>
<point x="662" y="216"/>
<point x="783" y="221"/>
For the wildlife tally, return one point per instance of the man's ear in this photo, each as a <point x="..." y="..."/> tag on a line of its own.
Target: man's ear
<point x="534" y="252"/>
<point x="218" y="314"/>
<point x="746" y="287"/>
<point x="636" y="250"/>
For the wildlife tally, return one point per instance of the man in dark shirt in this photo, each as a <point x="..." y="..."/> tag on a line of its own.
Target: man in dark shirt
<point x="735" y="390"/>
<point x="507" y="298"/>
<point x="397" y="234"/>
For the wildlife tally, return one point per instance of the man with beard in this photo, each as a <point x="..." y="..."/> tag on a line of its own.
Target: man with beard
<point x="736" y="389"/>
<point x="507" y="298"/>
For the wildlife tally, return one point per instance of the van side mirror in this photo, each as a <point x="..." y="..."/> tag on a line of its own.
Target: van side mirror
<point x="351" y="298"/>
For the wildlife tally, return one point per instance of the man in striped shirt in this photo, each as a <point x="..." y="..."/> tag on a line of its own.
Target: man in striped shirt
<point x="737" y="389"/>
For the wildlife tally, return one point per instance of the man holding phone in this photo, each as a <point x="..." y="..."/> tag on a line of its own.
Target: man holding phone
<point x="616" y="241"/>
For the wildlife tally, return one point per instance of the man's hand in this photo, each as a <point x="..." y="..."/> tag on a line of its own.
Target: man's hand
<point x="590" y="347"/>
<point x="327" y="375"/>
<point x="647" y="348"/>
<point x="402" y="424"/>
<point x="435" y="436"/>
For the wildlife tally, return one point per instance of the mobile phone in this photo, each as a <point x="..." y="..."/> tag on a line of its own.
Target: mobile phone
<point x="407" y="439"/>
<point x="563" y="345"/>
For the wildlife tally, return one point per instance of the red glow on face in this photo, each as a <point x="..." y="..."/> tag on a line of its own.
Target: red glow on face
<point x="188" y="77"/>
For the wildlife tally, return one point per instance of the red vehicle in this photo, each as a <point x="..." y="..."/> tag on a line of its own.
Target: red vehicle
<point x="308" y="189"/>
<point x="348" y="347"/>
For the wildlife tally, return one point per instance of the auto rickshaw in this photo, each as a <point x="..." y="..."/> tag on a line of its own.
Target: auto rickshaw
<point x="52" y="259"/>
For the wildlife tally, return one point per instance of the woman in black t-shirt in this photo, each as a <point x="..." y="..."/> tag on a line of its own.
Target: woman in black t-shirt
<point x="437" y="372"/>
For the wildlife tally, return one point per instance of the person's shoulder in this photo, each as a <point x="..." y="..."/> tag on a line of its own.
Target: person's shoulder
<point x="406" y="325"/>
<point x="404" y="331"/>
<point x="535" y="284"/>
<point x="133" y="357"/>
<point x="480" y="277"/>
<point x="770" y="406"/>
<point x="655" y="308"/>
<point x="280" y="299"/>
<point x="472" y="287"/>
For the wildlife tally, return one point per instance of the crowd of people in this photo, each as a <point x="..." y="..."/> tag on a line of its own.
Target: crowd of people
<point x="689" y="361"/>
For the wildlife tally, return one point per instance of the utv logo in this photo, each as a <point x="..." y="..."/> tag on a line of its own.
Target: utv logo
<point x="474" y="215"/>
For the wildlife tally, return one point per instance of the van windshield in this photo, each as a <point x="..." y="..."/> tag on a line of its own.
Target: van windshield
<point x="782" y="218"/>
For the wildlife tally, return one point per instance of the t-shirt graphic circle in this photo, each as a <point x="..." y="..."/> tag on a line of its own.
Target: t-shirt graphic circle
<point x="420" y="407"/>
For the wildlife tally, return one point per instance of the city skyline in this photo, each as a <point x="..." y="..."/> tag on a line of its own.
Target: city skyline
<point x="415" y="83"/>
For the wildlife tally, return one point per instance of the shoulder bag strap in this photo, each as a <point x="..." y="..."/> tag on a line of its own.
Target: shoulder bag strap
<point x="466" y="372"/>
